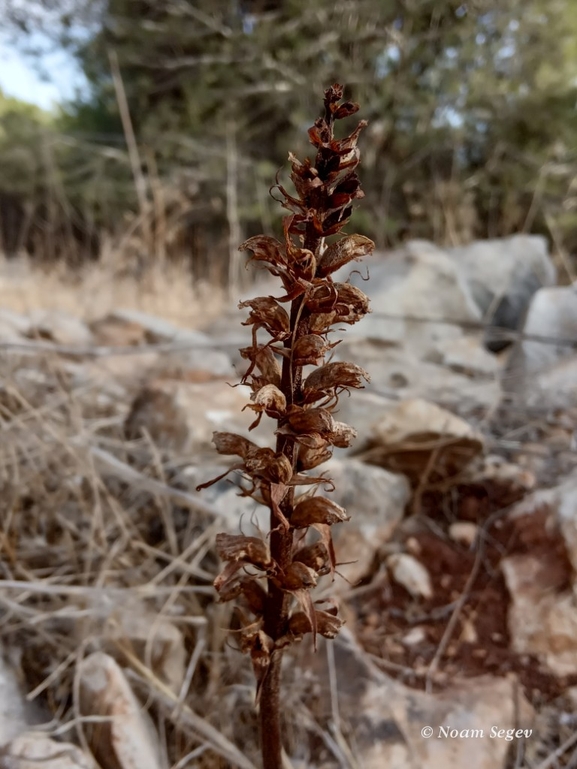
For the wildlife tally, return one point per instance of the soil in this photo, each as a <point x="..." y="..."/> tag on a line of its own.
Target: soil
<point x="405" y="633"/>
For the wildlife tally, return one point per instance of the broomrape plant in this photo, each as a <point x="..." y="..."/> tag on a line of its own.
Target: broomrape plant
<point x="274" y="595"/>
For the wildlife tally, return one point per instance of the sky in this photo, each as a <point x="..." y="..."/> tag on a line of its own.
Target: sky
<point x="57" y="81"/>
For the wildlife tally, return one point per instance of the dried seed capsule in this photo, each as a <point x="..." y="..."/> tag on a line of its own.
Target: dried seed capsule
<point x="310" y="350"/>
<point x="237" y="547"/>
<point x="271" y="399"/>
<point x="314" y="556"/>
<point x="267" y="312"/>
<point x="331" y="377"/>
<point x="347" y="249"/>
<point x="352" y="304"/>
<point x="342" y="435"/>
<point x="265" y="249"/>
<point x="317" y="510"/>
<point x="308" y="421"/>
<point x="268" y="400"/>
<point x="320" y="322"/>
<point x="250" y="588"/>
<point x="263" y="357"/>
<point x="266" y="464"/>
<point x="233" y="444"/>
<point x="298" y="576"/>
<point x="311" y="457"/>
<point x="327" y="624"/>
<point x="254" y="594"/>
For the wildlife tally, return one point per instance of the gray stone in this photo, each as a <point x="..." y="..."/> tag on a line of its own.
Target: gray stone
<point x="539" y="373"/>
<point x="130" y="740"/>
<point x="425" y="283"/>
<point x="13" y="710"/>
<point x="237" y="511"/>
<point x="182" y="416"/>
<point x="376" y="500"/>
<point x="543" y="612"/>
<point x="15" y="320"/>
<point x="397" y="373"/>
<point x="33" y="749"/>
<point x="419" y="437"/>
<point x="60" y="327"/>
<point x="503" y="274"/>
<point x="468" y="356"/>
<point x="388" y="719"/>
<point x="160" y="330"/>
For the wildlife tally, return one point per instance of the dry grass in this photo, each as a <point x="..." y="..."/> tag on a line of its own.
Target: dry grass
<point x="92" y="291"/>
<point x="91" y="530"/>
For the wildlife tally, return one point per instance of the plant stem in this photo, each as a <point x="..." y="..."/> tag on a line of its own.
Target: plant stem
<point x="281" y="546"/>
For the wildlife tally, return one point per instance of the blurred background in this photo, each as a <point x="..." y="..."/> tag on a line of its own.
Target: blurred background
<point x="151" y="130"/>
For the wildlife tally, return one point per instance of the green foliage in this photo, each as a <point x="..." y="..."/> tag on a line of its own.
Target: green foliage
<point x="470" y="107"/>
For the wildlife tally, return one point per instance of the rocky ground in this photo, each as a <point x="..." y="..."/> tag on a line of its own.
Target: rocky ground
<point x="458" y="567"/>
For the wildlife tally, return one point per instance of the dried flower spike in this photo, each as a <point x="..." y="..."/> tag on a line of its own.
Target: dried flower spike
<point x="274" y="578"/>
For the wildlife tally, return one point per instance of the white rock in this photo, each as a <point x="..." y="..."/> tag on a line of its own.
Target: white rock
<point x="411" y="574"/>
<point x="432" y="287"/>
<point x="153" y="638"/>
<point x="182" y="416"/>
<point x="8" y="334"/>
<point x="561" y="503"/>
<point x="397" y="373"/>
<point x="468" y="356"/>
<point x="387" y="718"/>
<point x="503" y="274"/>
<point x="415" y="636"/>
<point x="33" y="750"/>
<point x="375" y="499"/>
<point x="419" y="436"/>
<point x="60" y="327"/>
<point x="160" y="330"/>
<point x="195" y="364"/>
<point x="13" y="711"/>
<point x="129" y="740"/>
<point x="541" y="621"/>
<point x="536" y="369"/>
<point x="464" y="531"/>
<point x="20" y="323"/>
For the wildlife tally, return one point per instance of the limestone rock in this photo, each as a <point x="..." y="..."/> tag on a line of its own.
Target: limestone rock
<point x="387" y="718"/>
<point x="33" y="749"/>
<point x="407" y="571"/>
<point x="157" y="329"/>
<point x="375" y="499"/>
<point x="114" y="331"/>
<point x="432" y="287"/>
<point x="128" y="740"/>
<point x="503" y="274"/>
<point x="8" y="334"/>
<point x="539" y="373"/>
<point x="541" y="582"/>
<point x="60" y="327"/>
<point x="13" y="711"/>
<point x="466" y="356"/>
<point x="182" y="416"/>
<point x="419" y="437"/>
<point x="465" y="532"/>
<point x="194" y="357"/>
<point x="397" y="373"/>
<point x="15" y="320"/>
<point x="542" y="621"/>
<point x="153" y="638"/>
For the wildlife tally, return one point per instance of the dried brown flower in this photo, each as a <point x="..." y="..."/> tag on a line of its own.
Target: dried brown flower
<point x="305" y="429"/>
